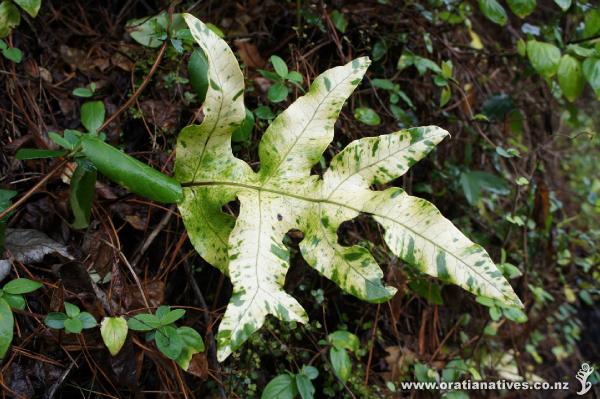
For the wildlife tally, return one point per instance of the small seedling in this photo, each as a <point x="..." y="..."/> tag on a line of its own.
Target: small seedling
<point x="280" y="78"/>
<point x="11" y="297"/>
<point x="176" y="343"/>
<point x="73" y="320"/>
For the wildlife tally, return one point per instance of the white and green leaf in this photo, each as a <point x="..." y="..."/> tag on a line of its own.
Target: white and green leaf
<point x="284" y="195"/>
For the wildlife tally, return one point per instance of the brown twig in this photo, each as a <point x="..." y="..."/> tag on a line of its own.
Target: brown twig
<point x="33" y="189"/>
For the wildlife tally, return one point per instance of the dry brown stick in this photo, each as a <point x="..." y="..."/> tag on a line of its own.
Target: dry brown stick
<point x="32" y="190"/>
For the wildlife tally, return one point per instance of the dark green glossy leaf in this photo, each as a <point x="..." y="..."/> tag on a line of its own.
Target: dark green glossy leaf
<point x="132" y="174"/>
<point x="81" y="196"/>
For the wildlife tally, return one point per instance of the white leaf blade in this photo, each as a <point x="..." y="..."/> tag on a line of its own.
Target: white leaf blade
<point x="381" y="159"/>
<point x="258" y="264"/>
<point x="417" y="232"/>
<point x="297" y="138"/>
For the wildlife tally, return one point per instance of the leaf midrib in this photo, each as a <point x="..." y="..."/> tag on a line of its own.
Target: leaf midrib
<point x="328" y="201"/>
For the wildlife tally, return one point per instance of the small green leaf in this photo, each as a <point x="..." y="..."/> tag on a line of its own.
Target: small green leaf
<point x="339" y="21"/>
<point x="592" y="23"/>
<point x="383" y="84"/>
<point x="73" y="325"/>
<point x="277" y="92"/>
<point x="56" y="320"/>
<point x="305" y="387"/>
<point x="445" y="96"/>
<point x="87" y="320"/>
<point x="341" y="363"/>
<point x="591" y="71"/>
<point x="427" y="290"/>
<point x="570" y="77"/>
<point x="81" y="196"/>
<point x="35" y="153"/>
<point x="281" y="387"/>
<point x="522" y="8"/>
<point x="30" y="6"/>
<point x="143" y="322"/>
<point x="515" y="314"/>
<point x="379" y="50"/>
<point x="341" y="339"/>
<point x="544" y="57"/>
<point x="310" y="371"/>
<point x="493" y="11"/>
<point x="13" y="54"/>
<point x="279" y="65"/>
<point x="61" y="141"/>
<point x="295" y="77"/>
<point x="198" y="72"/>
<point x="9" y="18"/>
<point x="264" y="112"/>
<point x="563" y="4"/>
<point x="6" y="327"/>
<point x="114" y="333"/>
<point x="21" y="286"/>
<point x="244" y="132"/>
<point x="92" y="115"/>
<point x="168" y="342"/>
<point x="84" y="92"/>
<point x="171" y="317"/>
<point x="192" y="344"/>
<point x="366" y="115"/>
<point x="495" y="313"/>
<point x="15" y="301"/>
<point x="71" y="310"/>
